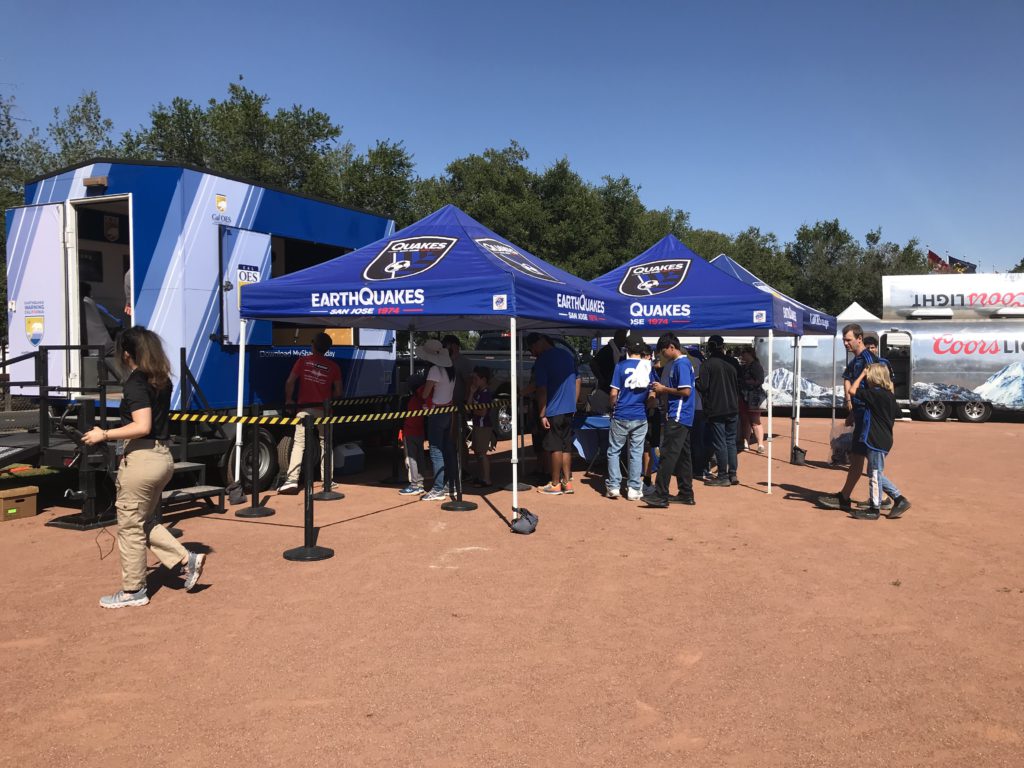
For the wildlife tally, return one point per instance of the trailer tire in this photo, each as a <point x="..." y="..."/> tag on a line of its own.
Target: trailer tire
<point x="933" y="410"/>
<point x="503" y="417"/>
<point x="975" y="412"/>
<point x="268" y="466"/>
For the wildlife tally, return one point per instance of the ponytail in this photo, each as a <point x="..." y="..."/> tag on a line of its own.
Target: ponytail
<point x="147" y="351"/>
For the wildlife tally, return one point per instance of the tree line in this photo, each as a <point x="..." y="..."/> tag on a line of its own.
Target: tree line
<point x="584" y="227"/>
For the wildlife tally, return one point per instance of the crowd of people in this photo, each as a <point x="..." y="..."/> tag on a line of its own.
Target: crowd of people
<point x="674" y="411"/>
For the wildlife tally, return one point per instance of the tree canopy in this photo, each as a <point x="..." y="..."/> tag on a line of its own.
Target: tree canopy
<point x="584" y="227"/>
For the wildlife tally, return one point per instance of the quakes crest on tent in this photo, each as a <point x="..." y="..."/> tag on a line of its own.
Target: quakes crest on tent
<point x="408" y="256"/>
<point x="654" y="277"/>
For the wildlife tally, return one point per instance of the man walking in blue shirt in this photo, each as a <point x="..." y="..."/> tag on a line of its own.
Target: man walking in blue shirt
<point x="558" y="389"/>
<point x="675" y="433"/>
<point x="629" y="389"/>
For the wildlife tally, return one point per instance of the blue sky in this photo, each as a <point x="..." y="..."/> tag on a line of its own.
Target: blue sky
<point x="904" y="115"/>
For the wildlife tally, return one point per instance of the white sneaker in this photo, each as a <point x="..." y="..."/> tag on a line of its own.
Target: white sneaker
<point x="288" y="489"/>
<point x="612" y="493"/>
<point x="124" y="599"/>
<point x="634" y="494"/>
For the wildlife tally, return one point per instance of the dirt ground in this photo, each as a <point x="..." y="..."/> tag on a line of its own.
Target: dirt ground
<point x="750" y="630"/>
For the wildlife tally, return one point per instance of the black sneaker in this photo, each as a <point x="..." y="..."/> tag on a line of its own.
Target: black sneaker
<point x="835" y="501"/>
<point x="682" y="498"/>
<point x="886" y="504"/>
<point x="871" y="513"/>
<point x="718" y="482"/>
<point x="733" y="480"/>
<point x="901" y="506"/>
<point x="658" y="502"/>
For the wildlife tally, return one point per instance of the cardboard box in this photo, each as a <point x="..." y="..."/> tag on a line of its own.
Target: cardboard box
<point x="18" y="502"/>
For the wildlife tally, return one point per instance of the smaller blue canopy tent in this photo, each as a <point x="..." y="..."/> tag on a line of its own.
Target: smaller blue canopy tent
<point x="445" y="272"/>
<point x="668" y="287"/>
<point x="815" y="322"/>
<point x="671" y="288"/>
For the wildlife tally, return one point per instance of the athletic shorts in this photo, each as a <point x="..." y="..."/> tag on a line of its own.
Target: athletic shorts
<point x="559" y="437"/>
<point x="482" y="439"/>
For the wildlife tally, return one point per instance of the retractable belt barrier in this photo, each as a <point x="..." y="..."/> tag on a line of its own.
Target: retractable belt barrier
<point x="213" y="418"/>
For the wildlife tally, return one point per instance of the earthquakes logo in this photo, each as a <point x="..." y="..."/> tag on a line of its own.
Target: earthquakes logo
<point x="408" y="256"/>
<point x="518" y="261"/>
<point x="654" y="277"/>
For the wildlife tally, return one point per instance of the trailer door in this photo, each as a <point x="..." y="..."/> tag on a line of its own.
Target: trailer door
<point x="37" y="291"/>
<point x="245" y="259"/>
<point x="895" y="347"/>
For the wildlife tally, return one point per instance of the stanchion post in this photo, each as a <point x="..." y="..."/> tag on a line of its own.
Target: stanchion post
<point x="255" y="509"/>
<point x="309" y="551"/>
<point x="327" y="494"/>
<point x="458" y="504"/>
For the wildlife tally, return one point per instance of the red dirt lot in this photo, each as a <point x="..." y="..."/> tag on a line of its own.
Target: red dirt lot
<point x="750" y="630"/>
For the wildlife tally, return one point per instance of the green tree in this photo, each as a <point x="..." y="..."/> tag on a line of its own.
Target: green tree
<point x="381" y="181"/>
<point x="80" y="133"/>
<point x="1019" y="267"/>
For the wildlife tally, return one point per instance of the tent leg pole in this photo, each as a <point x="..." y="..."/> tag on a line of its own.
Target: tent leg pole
<point x="241" y="391"/>
<point x="514" y="387"/>
<point x="771" y="389"/>
<point x="794" y="394"/>
<point x="799" y="390"/>
<point x="832" y="426"/>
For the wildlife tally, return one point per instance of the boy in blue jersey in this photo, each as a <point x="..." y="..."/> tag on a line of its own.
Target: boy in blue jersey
<point x="629" y="390"/>
<point x="675" y="433"/>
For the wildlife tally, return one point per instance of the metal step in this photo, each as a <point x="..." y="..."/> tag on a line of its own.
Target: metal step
<point x="186" y="467"/>
<point x="194" y="493"/>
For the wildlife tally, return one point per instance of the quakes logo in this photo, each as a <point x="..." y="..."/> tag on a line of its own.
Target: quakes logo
<point x="654" y="277"/>
<point x="518" y="261"/>
<point x="408" y="256"/>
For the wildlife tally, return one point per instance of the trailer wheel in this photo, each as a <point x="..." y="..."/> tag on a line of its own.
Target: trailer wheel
<point x="974" y="412"/>
<point x="933" y="410"/>
<point x="267" y="464"/>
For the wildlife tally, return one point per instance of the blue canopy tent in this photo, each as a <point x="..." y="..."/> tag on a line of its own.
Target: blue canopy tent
<point x="815" y="322"/>
<point x="671" y="288"/>
<point x="445" y="272"/>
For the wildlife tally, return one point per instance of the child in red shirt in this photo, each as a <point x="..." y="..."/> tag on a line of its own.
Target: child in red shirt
<point x="413" y="436"/>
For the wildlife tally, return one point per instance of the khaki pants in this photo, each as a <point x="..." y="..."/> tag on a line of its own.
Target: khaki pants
<point x="299" y="444"/>
<point x="145" y="470"/>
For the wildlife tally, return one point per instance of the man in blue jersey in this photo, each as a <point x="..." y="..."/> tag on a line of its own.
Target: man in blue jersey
<point x="558" y="390"/>
<point x="853" y="340"/>
<point x="678" y="388"/>
<point x="629" y="389"/>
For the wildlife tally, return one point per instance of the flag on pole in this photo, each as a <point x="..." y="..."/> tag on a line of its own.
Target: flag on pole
<point x="961" y="266"/>
<point x="936" y="262"/>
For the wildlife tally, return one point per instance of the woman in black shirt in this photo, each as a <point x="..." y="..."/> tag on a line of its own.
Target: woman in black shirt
<point x="145" y="469"/>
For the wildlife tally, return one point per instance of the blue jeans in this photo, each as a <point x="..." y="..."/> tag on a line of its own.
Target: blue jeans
<point x="621" y="432"/>
<point x="877" y="480"/>
<point x="723" y="436"/>
<point x="439" y="429"/>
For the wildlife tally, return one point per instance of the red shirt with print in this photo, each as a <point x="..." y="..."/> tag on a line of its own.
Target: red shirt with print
<point x="316" y="375"/>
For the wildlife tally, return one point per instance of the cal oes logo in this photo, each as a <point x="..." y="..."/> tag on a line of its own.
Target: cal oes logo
<point x="221" y="201"/>
<point x="35" y="328"/>
<point x="654" y="277"/>
<point x="518" y="261"/>
<point x="408" y="256"/>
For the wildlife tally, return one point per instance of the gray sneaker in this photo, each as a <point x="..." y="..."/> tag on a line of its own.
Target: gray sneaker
<point x="193" y="569"/>
<point x="433" y="495"/>
<point x="124" y="599"/>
